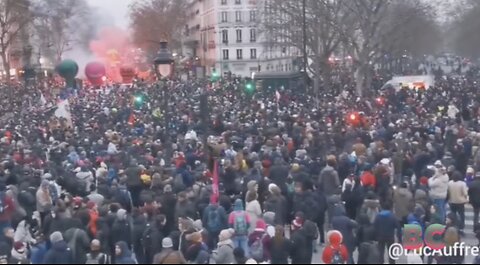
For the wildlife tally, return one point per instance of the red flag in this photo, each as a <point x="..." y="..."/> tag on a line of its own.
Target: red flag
<point x="216" y="193"/>
<point x="131" y="119"/>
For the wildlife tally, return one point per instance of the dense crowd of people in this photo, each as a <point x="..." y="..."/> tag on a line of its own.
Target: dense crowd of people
<point x="129" y="178"/>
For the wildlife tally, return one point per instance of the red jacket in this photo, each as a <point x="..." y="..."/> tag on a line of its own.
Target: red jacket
<point x="368" y="179"/>
<point x="9" y="208"/>
<point x="329" y="251"/>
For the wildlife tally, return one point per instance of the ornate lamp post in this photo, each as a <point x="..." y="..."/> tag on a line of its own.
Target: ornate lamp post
<point x="164" y="70"/>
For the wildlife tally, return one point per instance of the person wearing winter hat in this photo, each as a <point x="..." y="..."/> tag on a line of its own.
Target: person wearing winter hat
<point x="224" y="252"/>
<point x="19" y="254"/>
<point x="44" y="199"/>
<point x="121" y="228"/>
<point x="123" y="255"/>
<point x="259" y="242"/>
<point x="195" y="246"/>
<point x="335" y="252"/>
<point x="239" y="220"/>
<point x="269" y="218"/>
<point x="168" y="255"/>
<point x="301" y="248"/>
<point x="276" y="203"/>
<point x="59" y="253"/>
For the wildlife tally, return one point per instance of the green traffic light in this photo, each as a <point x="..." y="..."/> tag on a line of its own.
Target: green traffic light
<point x="138" y="99"/>
<point x="249" y="87"/>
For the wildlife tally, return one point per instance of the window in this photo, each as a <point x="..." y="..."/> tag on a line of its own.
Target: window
<point x="253" y="15"/>
<point x="253" y="53"/>
<point x="253" y="35"/>
<point x="225" y="54"/>
<point x="225" y="36"/>
<point x="239" y="35"/>
<point x="238" y="2"/>
<point x="239" y="54"/>
<point x="238" y="16"/>
<point x="224" y="16"/>
<point x="224" y="2"/>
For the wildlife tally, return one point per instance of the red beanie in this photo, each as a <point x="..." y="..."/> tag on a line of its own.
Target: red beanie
<point x="424" y="181"/>
<point x="261" y="225"/>
<point x="335" y="238"/>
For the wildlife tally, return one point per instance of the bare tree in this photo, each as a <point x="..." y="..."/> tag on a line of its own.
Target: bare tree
<point x="379" y="26"/>
<point x="153" y="21"/>
<point x="283" y="26"/>
<point x="464" y="32"/>
<point x="14" y="17"/>
<point x="62" y="24"/>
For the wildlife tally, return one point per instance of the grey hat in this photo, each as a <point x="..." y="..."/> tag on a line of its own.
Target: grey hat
<point x="167" y="188"/>
<point x="122" y="214"/>
<point x="167" y="243"/>
<point x="56" y="237"/>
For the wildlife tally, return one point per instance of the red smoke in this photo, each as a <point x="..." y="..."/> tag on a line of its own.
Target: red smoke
<point x="114" y="48"/>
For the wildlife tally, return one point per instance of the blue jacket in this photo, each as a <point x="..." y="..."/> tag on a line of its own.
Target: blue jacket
<point x="125" y="255"/>
<point x="385" y="224"/>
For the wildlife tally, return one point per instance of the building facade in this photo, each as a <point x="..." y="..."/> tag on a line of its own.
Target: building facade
<point x="225" y="36"/>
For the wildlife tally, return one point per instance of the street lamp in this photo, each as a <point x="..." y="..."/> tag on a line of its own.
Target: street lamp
<point x="164" y="62"/>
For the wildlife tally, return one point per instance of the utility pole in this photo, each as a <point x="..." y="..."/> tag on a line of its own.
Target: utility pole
<point x="304" y="28"/>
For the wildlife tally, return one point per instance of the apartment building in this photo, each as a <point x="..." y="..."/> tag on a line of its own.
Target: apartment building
<point x="225" y="36"/>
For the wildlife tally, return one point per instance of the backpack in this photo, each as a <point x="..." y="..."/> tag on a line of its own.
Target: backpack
<point x="256" y="249"/>
<point x="337" y="257"/>
<point x="100" y="259"/>
<point x="214" y="223"/>
<point x="240" y="224"/>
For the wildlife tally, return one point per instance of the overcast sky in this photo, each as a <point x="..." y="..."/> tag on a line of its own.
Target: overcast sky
<point x="117" y="10"/>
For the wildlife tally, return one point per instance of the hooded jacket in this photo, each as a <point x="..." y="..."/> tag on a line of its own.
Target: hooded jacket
<point x="329" y="181"/>
<point x="403" y="202"/>
<point x="385" y="224"/>
<point x="125" y="256"/>
<point x="474" y="193"/>
<point x="238" y="209"/>
<point x="345" y="226"/>
<point x="59" y="254"/>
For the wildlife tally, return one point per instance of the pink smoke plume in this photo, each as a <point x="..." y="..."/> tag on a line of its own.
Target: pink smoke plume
<point x="114" y="48"/>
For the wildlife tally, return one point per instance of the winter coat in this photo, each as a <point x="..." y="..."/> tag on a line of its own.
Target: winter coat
<point x="276" y="204"/>
<point x="403" y="202"/>
<point x="301" y="251"/>
<point x="59" y="254"/>
<point x="280" y="251"/>
<point x="457" y="192"/>
<point x="22" y="233"/>
<point x="329" y="251"/>
<point x="421" y="197"/>
<point x="223" y="218"/>
<point x="122" y="230"/>
<point x="438" y="185"/>
<point x="255" y="212"/>
<point x="329" y="181"/>
<point x="224" y="253"/>
<point x="369" y="210"/>
<point x="44" y="201"/>
<point x="278" y="174"/>
<point x="79" y="243"/>
<point x="125" y="256"/>
<point x="385" y="224"/>
<point x="169" y="256"/>
<point x="474" y="193"/>
<point x="308" y="203"/>
<point x="346" y="226"/>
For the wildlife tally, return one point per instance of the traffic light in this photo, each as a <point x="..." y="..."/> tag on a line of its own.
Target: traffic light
<point x="215" y="75"/>
<point x="139" y="99"/>
<point x="249" y="87"/>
